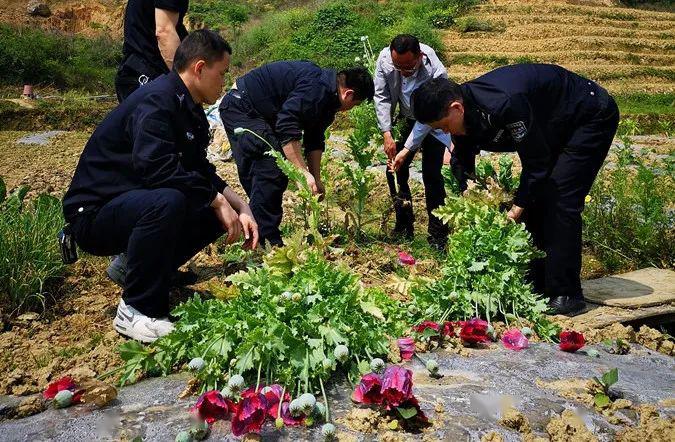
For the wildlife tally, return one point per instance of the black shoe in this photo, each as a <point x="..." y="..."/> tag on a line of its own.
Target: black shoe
<point x="566" y="305"/>
<point x="403" y="231"/>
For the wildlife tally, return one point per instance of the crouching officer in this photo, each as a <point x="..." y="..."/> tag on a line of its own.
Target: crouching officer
<point x="561" y="125"/>
<point x="143" y="185"/>
<point x="289" y="104"/>
<point x="153" y="29"/>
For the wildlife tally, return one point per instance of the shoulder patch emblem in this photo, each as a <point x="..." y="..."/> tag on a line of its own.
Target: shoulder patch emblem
<point x="189" y="136"/>
<point x="518" y="130"/>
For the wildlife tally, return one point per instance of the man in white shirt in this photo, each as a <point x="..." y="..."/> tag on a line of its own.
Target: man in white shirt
<point x="401" y="68"/>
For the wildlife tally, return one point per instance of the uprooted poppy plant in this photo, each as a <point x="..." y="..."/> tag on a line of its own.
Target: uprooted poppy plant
<point x="250" y="414"/>
<point x="514" y="339"/>
<point x="474" y="331"/>
<point x="448" y="329"/>
<point x="212" y="406"/>
<point x="407" y="348"/>
<point x="406" y="259"/>
<point x="369" y="390"/>
<point x="64" y="383"/>
<point x="571" y="341"/>
<point x="427" y="325"/>
<point x="396" y="385"/>
<point x="273" y="397"/>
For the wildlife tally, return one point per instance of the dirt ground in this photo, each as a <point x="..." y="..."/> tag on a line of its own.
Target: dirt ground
<point x="75" y="329"/>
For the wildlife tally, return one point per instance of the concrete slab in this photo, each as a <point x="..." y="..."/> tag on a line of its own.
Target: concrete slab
<point x="641" y="288"/>
<point x="469" y="393"/>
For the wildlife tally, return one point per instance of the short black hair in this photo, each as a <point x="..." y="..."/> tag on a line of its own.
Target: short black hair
<point x="359" y="80"/>
<point x="430" y="101"/>
<point x="202" y="44"/>
<point x="403" y="43"/>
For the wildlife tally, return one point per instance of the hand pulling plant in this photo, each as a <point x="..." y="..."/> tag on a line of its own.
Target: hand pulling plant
<point x="483" y="275"/>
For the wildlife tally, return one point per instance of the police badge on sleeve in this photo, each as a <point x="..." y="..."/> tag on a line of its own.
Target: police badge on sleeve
<point x="518" y="130"/>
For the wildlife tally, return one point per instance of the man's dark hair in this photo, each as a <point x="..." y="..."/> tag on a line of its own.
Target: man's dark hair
<point x="405" y="43"/>
<point x="203" y="44"/>
<point x="359" y="80"/>
<point x="430" y="101"/>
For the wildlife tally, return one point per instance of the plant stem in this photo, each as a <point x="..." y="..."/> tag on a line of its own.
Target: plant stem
<point x="325" y="401"/>
<point x="257" y="383"/>
<point x="281" y="401"/>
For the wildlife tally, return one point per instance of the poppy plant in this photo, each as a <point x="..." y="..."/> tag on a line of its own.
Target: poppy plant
<point x="474" y="331"/>
<point x="211" y="406"/>
<point x="515" y="340"/>
<point x="64" y="383"/>
<point x="420" y="328"/>
<point x="571" y="341"/>
<point x="448" y="329"/>
<point x="396" y="385"/>
<point x="407" y="348"/>
<point x="273" y="397"/>
<point x="406" y="259"/>
<point x="250" y="415"/>
<point x="369" y="390"/>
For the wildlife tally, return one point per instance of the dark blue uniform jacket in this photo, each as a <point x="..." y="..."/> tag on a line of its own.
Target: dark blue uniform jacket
<point x="156" y="138"/>
<point x="294" y="96"/>
<point x="529" y="108"/>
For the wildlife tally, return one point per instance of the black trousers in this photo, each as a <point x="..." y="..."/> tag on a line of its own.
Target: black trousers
<point x="554" y="219"/>
<point x="259" y="175"/>
<point x="434" y="187"/>
<point x="159" y="233"/>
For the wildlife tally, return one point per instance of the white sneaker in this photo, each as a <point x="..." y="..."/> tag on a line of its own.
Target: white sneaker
<point x="135" y="325"/>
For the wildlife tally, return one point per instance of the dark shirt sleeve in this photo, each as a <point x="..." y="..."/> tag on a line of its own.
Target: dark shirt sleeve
<point x="534" y="152"/>
<point x="169" y="5"/>
<point x="300" y="105"/>
<point x="155" y="157"/>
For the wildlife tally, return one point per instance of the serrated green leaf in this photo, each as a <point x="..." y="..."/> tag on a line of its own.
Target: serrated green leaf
<point x="610" y="378"/>
<point x="372" y="309"/>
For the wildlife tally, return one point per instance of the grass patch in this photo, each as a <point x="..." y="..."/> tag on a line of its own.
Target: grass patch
<point x="330" y="35"/>
<point x="29" y="252"/>
<point x="48" y="58"/>
<point x="642" y="103"/>
<point x="71" y="113"/>
<point x="474" y="24"/>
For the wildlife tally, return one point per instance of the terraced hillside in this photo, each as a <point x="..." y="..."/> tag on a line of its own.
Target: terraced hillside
<point x="627" y="50"/>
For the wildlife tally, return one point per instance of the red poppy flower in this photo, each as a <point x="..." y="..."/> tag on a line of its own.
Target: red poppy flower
<point x="515" y="340"/>
<point x="211" y="406"/>
<point x="65" y="383"/>
<point x="250" y="415"/>
<point x="288" y="418"/>
<point x="369" y="390"/>
<point x="474" y="331"/>
<point x="273" y="395"/>
<point x="571" y="341"/>
<point x="407" y="348"/>
<point x="448" y="329"/>
<point x="396" y="385"/>
<point x="412" y="402"/>
<point x="427" y="324"/>
<point x="406" y="259"/>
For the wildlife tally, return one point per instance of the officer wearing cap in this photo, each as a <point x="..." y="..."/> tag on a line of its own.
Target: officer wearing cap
<point x="144" y="187"/>
<point x="153" y="29"/>
<point x="561" y="125"/>
<point x="289" y="104"/>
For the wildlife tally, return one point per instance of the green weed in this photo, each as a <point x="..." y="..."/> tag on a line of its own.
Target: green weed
<point x="29" y="253"/>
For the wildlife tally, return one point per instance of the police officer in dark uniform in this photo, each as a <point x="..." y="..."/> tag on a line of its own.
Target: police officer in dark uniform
<point x="561" y="125"/>
<point x="289" y="104"/>
<point x="143" y="185"/>
<point x="153" y="29"/>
